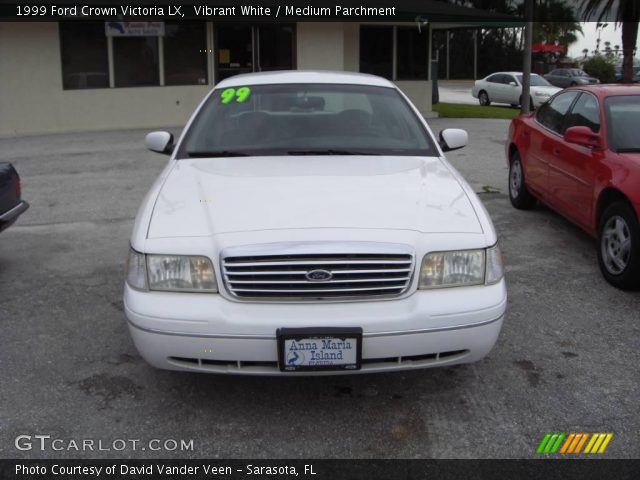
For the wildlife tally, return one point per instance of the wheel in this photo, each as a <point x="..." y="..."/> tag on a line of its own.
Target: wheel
<point x="518" y="193"/>
<point x="573" y="84"/>
<point x="619" y="246"/>
<point x="483" y="98"/>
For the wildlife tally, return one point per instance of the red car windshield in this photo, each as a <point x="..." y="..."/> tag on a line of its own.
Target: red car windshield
<point x="623" y="118"/>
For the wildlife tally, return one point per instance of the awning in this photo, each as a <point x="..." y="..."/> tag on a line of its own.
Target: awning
<point x="546" y="48"/>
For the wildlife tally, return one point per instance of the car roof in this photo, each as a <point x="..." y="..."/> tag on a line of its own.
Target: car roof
<point x="509" y="73"/>
<point x="610" y="89"/>
<point x="304" y="76"/>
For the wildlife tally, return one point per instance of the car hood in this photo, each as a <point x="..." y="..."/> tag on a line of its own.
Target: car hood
<point x="545" y="89"/>
<point x="203" y="197"/>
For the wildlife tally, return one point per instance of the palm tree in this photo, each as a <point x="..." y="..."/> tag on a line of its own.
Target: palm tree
<point x="585" y="51"/>
<point x="627" y="13"/>
<point x="555" y="22"/>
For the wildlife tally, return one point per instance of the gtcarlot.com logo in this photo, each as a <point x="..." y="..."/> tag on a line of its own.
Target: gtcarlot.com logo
<point x="46" y="442"/>
<point x="574" y="443"/>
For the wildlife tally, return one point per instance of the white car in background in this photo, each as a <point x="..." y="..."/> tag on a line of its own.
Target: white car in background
<point x="309" y="223"/>
<point x="506" y="87"/>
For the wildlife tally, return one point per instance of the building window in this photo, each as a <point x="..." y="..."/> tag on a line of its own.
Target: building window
<point x="413" y="53"/>
<point x="84" y="55"/>
<point x="376" y="51"/>
<point x="135" y="61"/>
<point x="90" y="59"/>
<point x="395" y="53"/>
<point x="247" y="48"/>
<point x="185" y="59"/>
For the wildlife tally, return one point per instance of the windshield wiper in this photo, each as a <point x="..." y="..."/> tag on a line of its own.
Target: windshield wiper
<point x="329" y="152"/>
<point x="217" y="153"/>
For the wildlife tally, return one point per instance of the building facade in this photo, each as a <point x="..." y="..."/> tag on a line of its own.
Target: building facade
<point x="74" y="76"/>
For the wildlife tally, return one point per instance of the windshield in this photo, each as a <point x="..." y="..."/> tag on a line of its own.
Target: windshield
<point x="306" y="119"/>
<point x="623" y="117"/>
<point x="536" y="81"/>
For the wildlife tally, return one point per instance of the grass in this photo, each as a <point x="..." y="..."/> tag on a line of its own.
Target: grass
<point x="457" y="110"/>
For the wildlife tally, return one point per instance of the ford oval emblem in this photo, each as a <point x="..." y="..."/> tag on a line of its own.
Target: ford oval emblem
<point x="319" y="275"/>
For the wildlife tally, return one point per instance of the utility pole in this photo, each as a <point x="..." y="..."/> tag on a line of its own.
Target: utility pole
<point x="526" y="58"/>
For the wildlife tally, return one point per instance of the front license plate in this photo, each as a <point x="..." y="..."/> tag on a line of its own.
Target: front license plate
<point x="313" y="349"/>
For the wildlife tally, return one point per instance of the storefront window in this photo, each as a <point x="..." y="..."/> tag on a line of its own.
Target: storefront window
<point x="84" y="55"/>
<point x="376" y="51"/>
<point x="412" y="54"/>
<point x="257" y="48"/>
<point x="411" y="46"/>
<point x="135" y="61"/>
<point x="185" y="59"/>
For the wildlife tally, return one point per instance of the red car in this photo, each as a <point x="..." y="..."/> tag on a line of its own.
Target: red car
<point x="579" y="153"/>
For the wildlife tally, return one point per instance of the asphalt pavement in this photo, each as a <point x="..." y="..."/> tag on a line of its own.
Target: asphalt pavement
<point x="566" y="360"/>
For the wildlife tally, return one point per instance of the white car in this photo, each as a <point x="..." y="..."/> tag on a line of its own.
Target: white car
<point x="506" y="87"/>
<point x="309" y="223"/>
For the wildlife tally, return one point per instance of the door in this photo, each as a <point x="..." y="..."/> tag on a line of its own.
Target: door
<point x="549" y="120"/>
<point x="572" y="166"/>
<point x="494" y="87"/>
<point x="253" y="48"/>
<point x="512" y="90"/>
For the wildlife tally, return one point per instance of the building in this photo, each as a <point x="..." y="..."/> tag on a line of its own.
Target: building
<point x="104" y="73"/>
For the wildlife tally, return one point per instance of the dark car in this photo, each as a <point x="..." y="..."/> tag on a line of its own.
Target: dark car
<point x="568" y="77"/>
<point x="580" y="154"/>
<point x="11" y="205"/>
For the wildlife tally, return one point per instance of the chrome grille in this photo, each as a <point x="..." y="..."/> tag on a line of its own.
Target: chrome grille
<point x="351" y="275"/>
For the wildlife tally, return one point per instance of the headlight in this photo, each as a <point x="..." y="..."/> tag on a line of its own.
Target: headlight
<point x="135" y="270"/>
<point x="461" y="268"/>
<point x="542" y="94"/>
<point x="452" y="269"/>
<point x="181" y="273"/>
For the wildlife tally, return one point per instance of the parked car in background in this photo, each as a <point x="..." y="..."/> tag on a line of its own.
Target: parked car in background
<point x="309" y="223"/>
<point x="580" y="154"/>
<point x="11" y="204"/>
<point x="568" y="77"/>
<point x="506" y="87"/>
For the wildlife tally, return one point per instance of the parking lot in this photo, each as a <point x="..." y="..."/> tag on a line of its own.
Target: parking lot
<point x="566" y="360"/>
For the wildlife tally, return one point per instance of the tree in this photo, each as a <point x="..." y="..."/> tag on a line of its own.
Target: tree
<point x="554" y="22"/>
<point x="600" y="67"/>
<point x="625" y="12"/>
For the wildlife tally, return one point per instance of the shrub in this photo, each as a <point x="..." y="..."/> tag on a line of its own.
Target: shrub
<point x="600" y="67"/>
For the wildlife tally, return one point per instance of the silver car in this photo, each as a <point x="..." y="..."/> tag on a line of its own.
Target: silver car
<point x="506" y="87"/>
<point x="568" y="77"/>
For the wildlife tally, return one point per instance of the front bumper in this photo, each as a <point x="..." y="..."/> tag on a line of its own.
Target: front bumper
<point x="538" y="101"/>
<point x="209" y="333"/>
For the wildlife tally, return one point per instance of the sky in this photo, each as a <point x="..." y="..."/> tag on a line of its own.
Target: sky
<point x="588" y="40"/>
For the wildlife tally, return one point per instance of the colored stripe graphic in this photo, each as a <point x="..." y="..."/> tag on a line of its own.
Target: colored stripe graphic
<point x="550" y="443"/>
<point x="598" y="442"/>
<point x="567" y="443"/>
<point x="572" y="443"/>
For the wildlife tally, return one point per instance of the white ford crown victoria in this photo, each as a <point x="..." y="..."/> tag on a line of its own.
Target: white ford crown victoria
<point x="308" y="223"/>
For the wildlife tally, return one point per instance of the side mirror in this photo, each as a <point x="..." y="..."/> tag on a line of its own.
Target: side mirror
<point x="513" y="84"/>
<point x="453" y="139"/>
<point x="583" y="136"/>
<point x="160" y="142"/>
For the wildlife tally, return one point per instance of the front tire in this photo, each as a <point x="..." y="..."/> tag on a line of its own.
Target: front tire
<point x="619" y="246"/>
<point x="483" y="98"/>
<point x="518" y="193"/>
